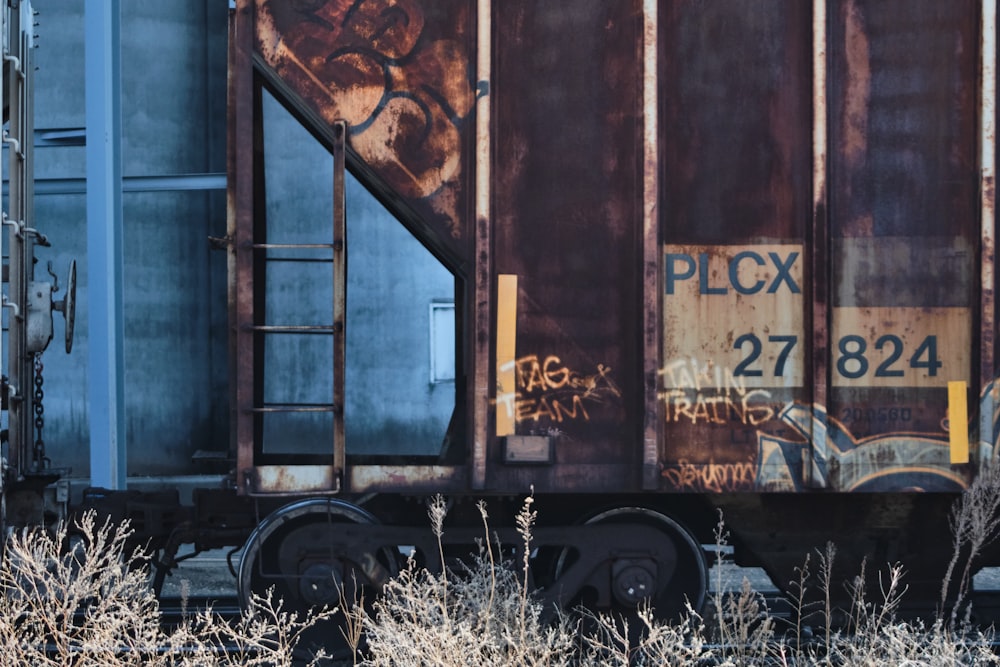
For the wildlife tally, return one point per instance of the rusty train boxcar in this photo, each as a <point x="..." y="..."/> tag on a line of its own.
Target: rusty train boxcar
<point x="707" y="255"/>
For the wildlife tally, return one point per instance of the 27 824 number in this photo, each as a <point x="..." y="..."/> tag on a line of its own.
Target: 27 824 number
<point x="853" y="359"/>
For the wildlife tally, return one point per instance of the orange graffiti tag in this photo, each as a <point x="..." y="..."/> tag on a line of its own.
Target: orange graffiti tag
<point x="711" y="477"/>
<point x="549" y="390"/>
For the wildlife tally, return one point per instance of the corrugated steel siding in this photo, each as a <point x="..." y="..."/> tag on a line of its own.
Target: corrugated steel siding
<point x="735" y="145"/>
<point x="744" y="409"/>
<point x="806" y="339"/>
<point x="567" y="170"/>
<point x="903" y="223"/>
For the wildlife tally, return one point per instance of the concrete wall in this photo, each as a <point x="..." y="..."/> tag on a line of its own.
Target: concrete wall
<point x="173" y="106"/>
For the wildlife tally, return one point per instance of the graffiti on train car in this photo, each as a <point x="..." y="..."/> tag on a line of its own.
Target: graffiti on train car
<point x="707" y="393"/>
<point x="831" y="457"/>
<point x="711" y="477"/>
<point x="826" y="455"/>
<point x="989" y="407"/>
<point x="548" y="389"/>
<point x="405" y="92"/>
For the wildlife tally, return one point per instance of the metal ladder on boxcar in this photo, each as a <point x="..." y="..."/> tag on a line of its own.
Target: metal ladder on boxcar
<point x="27" y="301"/>
<point x="281" y="473"/>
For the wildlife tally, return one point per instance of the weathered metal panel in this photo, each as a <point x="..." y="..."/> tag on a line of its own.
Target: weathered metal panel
<point x="904" y="232"/>
<point x="339" y="187"/>
<point x="747" y="301"/>
<point x="567" y="221"/>
<point x="806" y="196"/>
<point x="756" y="396"/>
<point x="400" y="73"/>
<point x="295" y="479"/>
<point x="987" y="221"/>
<point x="736" y="160"/>
<point x="478" y="295"/>
<point x="414" y="478"/>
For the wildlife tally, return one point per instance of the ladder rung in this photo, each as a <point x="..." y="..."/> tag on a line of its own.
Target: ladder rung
<point x="303" y="329"/>
<point x="293" y="246"/>
<point x="296" y="407"/>
<point x="311" y="260"/>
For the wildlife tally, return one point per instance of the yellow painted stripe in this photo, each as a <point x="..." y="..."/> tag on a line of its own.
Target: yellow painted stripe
<point x="958" y="421"/>
<point x="506" y="338"/>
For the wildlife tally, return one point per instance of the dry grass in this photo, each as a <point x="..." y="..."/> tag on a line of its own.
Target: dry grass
<point x="975" y="524"/>
<point x="76" y="597"/>
<point x="483" y="615"/>
<point x="478" y="613"/>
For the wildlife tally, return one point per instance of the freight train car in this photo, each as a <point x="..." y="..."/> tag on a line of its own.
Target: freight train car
<point x="706" y="256"/>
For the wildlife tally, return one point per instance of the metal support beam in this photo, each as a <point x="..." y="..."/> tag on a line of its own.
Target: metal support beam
<point x="164" y="183"/>
<point x="106" y="370"/>
<point x="817" y="313"/>
<point x="479" y="389"/>
<point x="987" y="219"/>
<point x="651" y="249"/>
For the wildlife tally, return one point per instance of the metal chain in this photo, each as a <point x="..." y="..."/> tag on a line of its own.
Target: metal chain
<point x="41" y="461"/>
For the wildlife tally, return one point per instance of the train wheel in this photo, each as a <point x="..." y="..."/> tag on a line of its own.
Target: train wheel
<point x="667" y="586"/>
<point x="296" y="550"/>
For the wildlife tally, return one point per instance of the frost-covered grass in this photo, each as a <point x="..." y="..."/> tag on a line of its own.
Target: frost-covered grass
<point x="78" y="597"/>
<point x="482" y="614"/>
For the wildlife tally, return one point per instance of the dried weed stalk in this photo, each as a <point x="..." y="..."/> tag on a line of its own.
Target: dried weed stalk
<point x="479" y="613"/>
<point x="613" y="642"/>
<point x="743" y="624"/>
<point x="78" y="596"/>
<point x="875" y="636"/>
<point x="975" y="524"/>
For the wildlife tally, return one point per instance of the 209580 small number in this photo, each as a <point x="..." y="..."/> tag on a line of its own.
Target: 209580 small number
<point x="853" y="363"/>
<point x="881" y="415"/>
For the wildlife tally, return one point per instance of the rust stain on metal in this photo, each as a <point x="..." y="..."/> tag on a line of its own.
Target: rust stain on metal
<point x="987" y="187"/>
<point x="366" y="478"/>
<point x="987" y="303"/>
<point x="858" y="91"/>
<point x="398" y="73"/>
<point x="815" y="320"/>
<point x="568" y="209"/>
<point x="589" y="182"/>
<point x="478" y="393"/>
<point x="650" y="247"/>
<point x="240" y="177"/>
<point x="294" y="479"/>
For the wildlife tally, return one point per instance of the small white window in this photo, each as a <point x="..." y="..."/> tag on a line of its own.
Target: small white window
<point x="442" y="341"/>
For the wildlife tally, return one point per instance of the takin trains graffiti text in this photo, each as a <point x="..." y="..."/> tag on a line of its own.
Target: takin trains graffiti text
<point x="706" y="393"/>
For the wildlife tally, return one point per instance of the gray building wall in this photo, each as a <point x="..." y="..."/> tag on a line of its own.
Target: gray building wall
<point x="393" y="407"/>
<point x="177" y="398"/>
